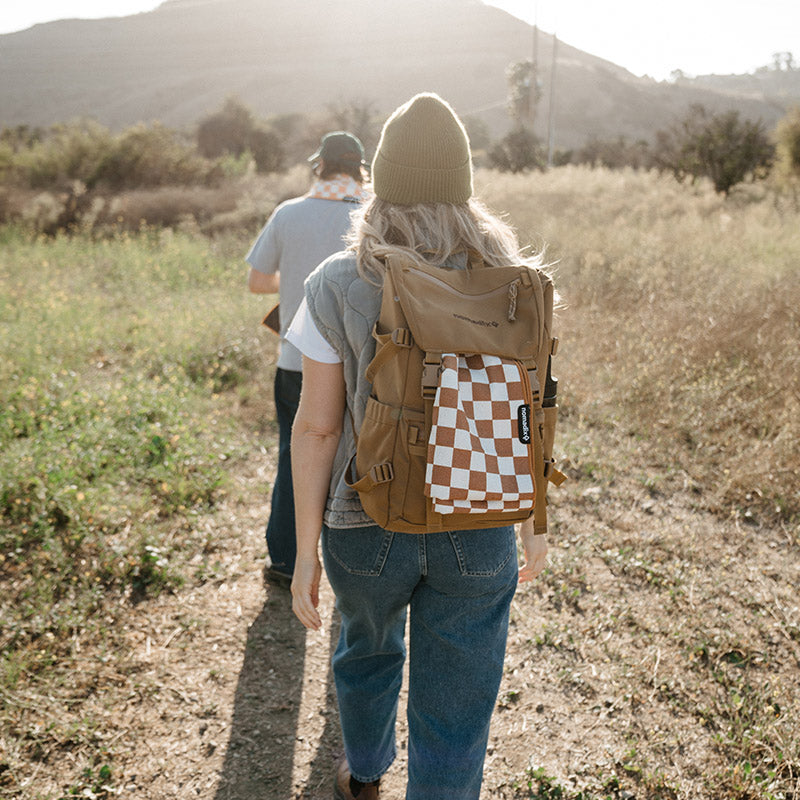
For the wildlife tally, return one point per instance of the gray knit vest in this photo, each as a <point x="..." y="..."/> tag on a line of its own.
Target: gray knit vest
<point x="344" y="308"/>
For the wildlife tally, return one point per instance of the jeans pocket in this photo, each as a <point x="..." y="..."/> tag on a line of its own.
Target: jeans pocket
<point x="483" y="553"/>
<point x="359" y="551"/>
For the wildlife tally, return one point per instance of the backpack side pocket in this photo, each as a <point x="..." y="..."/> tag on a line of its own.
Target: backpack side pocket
<point x="390" y="480"/>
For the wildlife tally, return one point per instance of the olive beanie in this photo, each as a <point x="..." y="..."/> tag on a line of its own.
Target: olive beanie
<point x="423" y="155"/>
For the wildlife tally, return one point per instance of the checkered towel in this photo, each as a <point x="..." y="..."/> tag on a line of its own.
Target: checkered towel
<point x="480" y="446"/>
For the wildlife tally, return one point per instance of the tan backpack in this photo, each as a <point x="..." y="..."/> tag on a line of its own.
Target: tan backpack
<point x="426" y="313"/>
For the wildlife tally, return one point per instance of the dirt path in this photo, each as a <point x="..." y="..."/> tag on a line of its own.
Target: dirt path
<point x="610" y="675"/>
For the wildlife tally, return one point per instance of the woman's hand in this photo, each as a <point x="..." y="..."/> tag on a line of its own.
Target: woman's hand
<point x="535" y="549"/>
<point x="305" y="591"/>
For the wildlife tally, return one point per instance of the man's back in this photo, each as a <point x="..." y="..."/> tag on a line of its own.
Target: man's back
<point x="300" y="234"/>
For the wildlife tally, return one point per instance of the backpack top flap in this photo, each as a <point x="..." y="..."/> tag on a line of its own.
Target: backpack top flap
<point x="493" y="310"/>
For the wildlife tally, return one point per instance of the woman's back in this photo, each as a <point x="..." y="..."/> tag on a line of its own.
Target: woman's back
<point x="453" y="586"/>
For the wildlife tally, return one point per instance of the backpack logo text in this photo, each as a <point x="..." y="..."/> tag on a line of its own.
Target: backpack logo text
<point x="523" y="423"/>
<point x="485" y="323"/>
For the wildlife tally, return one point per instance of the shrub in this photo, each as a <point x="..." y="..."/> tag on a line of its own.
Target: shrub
<point x="156" y="156"/>
<point x="721" y="147"/>
<point x="68" y="152"/>
<point x="226" y="131"/>
<point x="234" y="130"/>
<point x="517" y="151"/>
<point x="166" y="206"/>
<point x="614" y="153"/>
<point x="87" y="152"/>
<point x="265" y="145"/>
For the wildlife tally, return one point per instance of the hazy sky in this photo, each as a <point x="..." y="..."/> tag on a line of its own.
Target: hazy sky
<point x="653" y="38"/>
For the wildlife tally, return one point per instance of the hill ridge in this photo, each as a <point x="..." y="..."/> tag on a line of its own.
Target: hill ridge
<point x="180" y="62"/>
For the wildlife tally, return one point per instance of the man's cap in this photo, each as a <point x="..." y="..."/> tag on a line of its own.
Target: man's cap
<point x="339" y="146"/>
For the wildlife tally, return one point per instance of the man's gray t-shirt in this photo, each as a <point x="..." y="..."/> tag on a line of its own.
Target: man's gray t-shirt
<point x="300" y="234"/>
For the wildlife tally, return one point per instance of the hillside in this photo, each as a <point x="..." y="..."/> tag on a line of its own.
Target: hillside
<point x="179" y="62"/>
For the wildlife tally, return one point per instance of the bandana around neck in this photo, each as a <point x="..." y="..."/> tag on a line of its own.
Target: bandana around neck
<point x="339" y="187"/>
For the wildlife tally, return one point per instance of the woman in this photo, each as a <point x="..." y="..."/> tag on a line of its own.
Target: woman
<point x="423" y="207"/>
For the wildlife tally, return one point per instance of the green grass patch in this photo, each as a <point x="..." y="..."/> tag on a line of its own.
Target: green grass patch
<point x="122" y="360"/>
<point x="114" y="434"/>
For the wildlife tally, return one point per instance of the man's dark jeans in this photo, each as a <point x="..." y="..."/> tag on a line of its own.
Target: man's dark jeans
<point x="280" y="528"/>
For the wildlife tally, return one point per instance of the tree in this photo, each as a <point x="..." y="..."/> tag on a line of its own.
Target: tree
<point x="298" y="135"/>
<point x="783" y="61"/>
<point x="226" y="131"/>
<point x="519" y="149"/>
<point x="524" y="92"/>
<point x="21" y="136"/>
<point x="722" y="147"/>
<point x="787" y="151"/>
<point x="267" y="150"/>
<point x="357" y="117"/>
<point x="234" y="130"/>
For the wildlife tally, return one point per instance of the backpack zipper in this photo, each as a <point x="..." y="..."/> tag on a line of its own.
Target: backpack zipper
<point x="527" y="393"/>
<point x="513" y="291"/>
<point x="500" y="290"/>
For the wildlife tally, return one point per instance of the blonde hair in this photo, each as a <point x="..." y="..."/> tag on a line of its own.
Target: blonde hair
<point x="429" y="233"/>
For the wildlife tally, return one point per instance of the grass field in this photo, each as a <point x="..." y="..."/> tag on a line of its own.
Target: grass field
<point x="120" y="361"/>
<point x="135" y="382"/>
<point x="681" y="326"/>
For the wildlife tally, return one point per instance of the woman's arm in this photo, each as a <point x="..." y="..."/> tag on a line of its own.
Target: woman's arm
<point x="315" y="439"/>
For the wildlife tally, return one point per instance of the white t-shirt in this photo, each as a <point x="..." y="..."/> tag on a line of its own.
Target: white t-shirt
<point x="304" y="334"/>
<point x="299" y="234"/>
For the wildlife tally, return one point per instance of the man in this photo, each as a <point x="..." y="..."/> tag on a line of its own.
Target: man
<point x="300" y="234"/>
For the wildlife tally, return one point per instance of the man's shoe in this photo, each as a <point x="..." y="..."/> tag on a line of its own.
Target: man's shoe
<point x="348" y="788"/>
<point x="274" y="577"/>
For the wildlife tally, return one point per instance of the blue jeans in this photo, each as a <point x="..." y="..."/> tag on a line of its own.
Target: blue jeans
<point x="281" y="541"/>
<point x="458" y="586"/>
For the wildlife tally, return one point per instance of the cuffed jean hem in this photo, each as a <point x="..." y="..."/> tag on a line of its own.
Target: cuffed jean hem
<point x="379" y="774"/>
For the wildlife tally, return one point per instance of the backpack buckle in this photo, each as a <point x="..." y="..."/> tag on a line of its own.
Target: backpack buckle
<point x="430" y="379"/>
<point x="402" y="337"/>
<point x="382" y="473"/>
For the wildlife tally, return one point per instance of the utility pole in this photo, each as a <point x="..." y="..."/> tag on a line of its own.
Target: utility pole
<point x="534" y="87"/>
<point x="551" y="109"/>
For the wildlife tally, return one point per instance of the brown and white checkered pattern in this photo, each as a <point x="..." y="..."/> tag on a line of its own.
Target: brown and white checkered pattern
<point x="476" y="461"/>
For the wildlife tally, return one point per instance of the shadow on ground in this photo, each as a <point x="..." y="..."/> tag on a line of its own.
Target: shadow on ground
<point x="266" y="748"/>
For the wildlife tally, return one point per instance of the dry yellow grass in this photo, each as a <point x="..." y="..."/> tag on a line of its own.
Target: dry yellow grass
<point x="680" y="327"/>
<point x="656" y="657"/>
